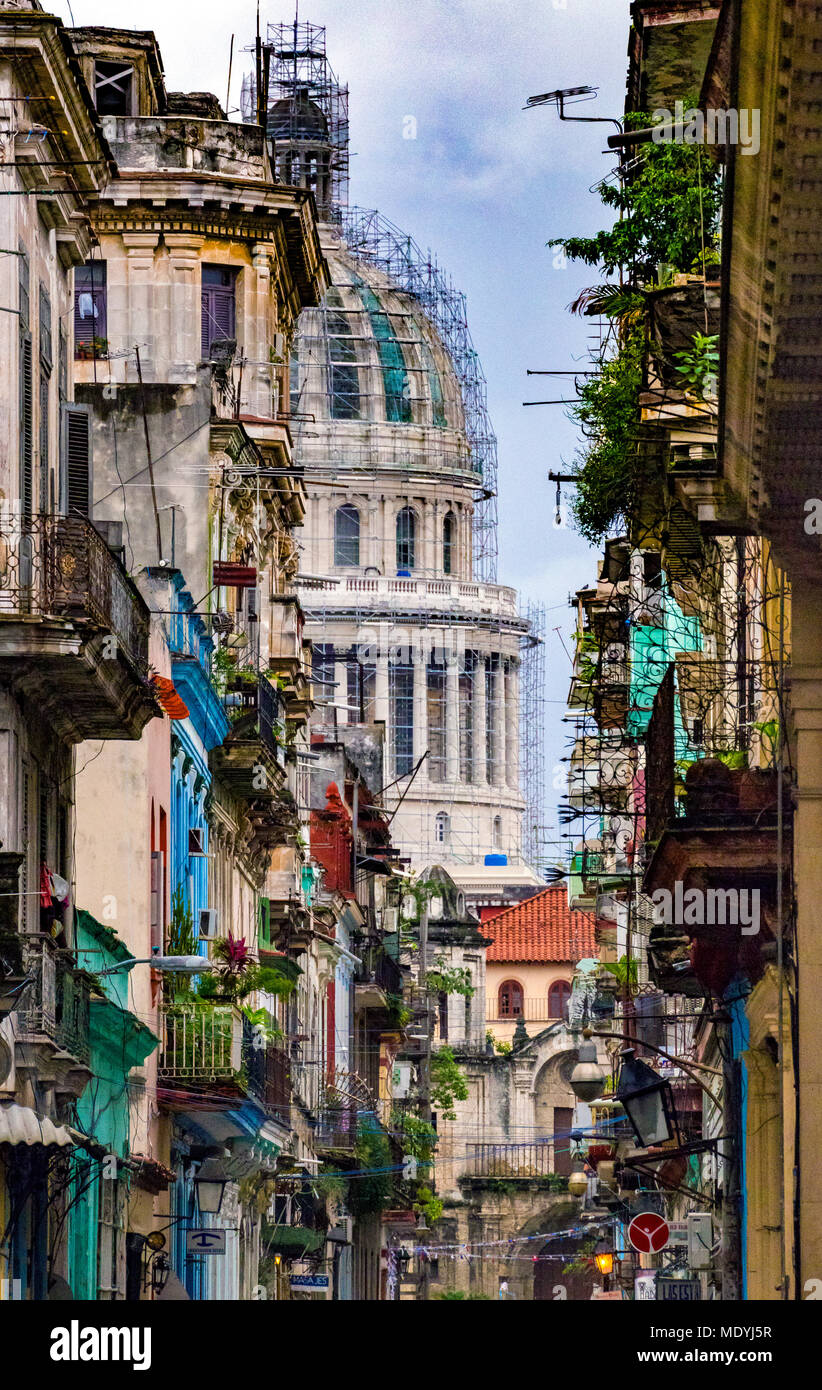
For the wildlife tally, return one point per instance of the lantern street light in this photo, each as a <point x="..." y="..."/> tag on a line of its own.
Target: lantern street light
<point x="604" y="1257"/>
<point x="588" y="1078"/>
<point x="647" y="1100"/>
<point x="210" y="1184"/>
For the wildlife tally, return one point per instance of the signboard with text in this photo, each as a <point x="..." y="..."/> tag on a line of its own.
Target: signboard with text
<point x="678" y="1290"/>
<point x="205" y="1242"/>
<point x="309" y="1281"/>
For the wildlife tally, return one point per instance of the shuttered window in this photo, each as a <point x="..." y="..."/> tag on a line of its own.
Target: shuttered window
<point x="219" y="306"/>
<point x="26" y="425"/>
<point x="76" y="481"/>
<point x="45" y="461"/>
<point x="90" y="308"/>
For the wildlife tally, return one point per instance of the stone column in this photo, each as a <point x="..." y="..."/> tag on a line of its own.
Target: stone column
<point x="452" y="718"/>
<point x="184" y="338"/>
<point x="480" y="716"/>
<point x="499" y="724"/>
<point x="340" y="693"/>
<point x="512" y="726"/>
<point x="140" y="325"/>
<point x="381" y="685"/>
<point x="259" y="375"/>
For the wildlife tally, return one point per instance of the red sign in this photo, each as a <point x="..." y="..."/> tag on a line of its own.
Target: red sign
<point x="649" y="1233"/>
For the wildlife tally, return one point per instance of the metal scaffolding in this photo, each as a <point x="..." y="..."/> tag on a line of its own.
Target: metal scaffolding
<point x="532" y="734"/>
<point x="375" y="241"/>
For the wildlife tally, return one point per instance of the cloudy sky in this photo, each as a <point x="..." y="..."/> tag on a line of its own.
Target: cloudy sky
<point x="484" y="184"/>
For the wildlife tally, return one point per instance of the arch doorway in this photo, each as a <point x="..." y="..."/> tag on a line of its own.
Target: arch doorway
<point x="550" y="1271"/>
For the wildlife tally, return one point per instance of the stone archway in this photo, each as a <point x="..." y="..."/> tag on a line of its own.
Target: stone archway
<point x="553" y="1280"/>
<point x="554" y="1108"/>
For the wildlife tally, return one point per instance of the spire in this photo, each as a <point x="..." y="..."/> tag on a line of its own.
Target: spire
<point x="306" y="112"/>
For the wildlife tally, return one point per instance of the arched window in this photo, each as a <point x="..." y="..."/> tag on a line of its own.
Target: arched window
<point x="346" y="536"/>
<point x="448" y="529"/>
<point x="497" y="832"/>
<point x="442" y="825"/>
<point x="509" y="999"/>
<point x="406" y="538"/>
<point x="558" y="996"/>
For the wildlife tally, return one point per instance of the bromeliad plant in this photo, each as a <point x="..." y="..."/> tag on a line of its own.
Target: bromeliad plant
<point x="239" y="975"/>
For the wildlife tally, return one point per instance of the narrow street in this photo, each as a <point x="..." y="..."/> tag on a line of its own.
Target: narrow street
<point x="411" y="664"/>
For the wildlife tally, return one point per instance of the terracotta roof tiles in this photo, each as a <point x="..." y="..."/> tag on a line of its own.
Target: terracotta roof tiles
<point x="540" y="929"/>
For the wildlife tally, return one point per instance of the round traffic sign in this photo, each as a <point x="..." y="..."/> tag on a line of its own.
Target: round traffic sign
<point x="649" y="1233"/>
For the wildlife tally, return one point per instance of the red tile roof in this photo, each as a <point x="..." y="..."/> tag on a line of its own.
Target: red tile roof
<point x="541" y="928"/>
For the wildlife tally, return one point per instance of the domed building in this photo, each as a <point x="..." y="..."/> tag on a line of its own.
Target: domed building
<point x="398" y="550"/>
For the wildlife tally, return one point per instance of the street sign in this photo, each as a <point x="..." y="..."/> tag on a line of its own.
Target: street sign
<point x="309" y="1281"/>
<point x="205" y="1242"/>
<point x="649" y="1233"/>
<point x="678" y="1290"/>
<point x="645" y="1285"/>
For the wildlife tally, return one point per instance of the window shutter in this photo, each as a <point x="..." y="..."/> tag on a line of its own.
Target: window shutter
<point x="218" y="300"/>
<point x="76" y="490"/>
<point x="44" y="441"/>
<point x="157" y="899"/>
<point x="26" y="425"/>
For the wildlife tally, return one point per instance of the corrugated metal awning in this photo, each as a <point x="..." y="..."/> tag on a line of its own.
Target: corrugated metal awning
<point x="20" y="1125"/>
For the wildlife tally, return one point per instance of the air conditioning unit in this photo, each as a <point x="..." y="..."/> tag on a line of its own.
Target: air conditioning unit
<point x="343" y="1232"/>
<point x="196" y="843"/>
<point x="208" y="923"/>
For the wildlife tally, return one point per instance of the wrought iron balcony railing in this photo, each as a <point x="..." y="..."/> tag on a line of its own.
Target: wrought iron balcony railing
<point x="201" y="1043"/>
<point x="60" y="567"/>
<point x="267" y="1072"/>
<point x="54" y="1005"/>
<point x="513" y="1161"/>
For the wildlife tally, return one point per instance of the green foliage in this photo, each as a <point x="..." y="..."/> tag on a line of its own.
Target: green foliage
<point x="455" y="1296"/>
<point x="698" y="367"/>
<point x="503" y="1048"/>
<point x="661" y="212"/>
<point x="261" y="1020"/>
<point x="231" y="987"/>
<point x="399" y="1013"/>
<point x="430" y="1206"/>
<point x="448" y="1083"/>
<point x="445" y="979"/>
<point x="623" y="970"/>
<point x="371" y="1193"/>
<point x="181" y="940"/>
<point x="607" y="466"/>
<point x="416" y="1136"/>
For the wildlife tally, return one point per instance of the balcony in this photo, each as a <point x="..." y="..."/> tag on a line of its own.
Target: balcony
<point x="426" y="595"/>
<point x="514" y="1161"/>
<point x="378" y="977"/>
<point x="157" y="144"/>
<point x="267" y="1073"/>
<point x="201" y="1045"/>
<point x="255" y="740"/>
<point x="53" y="1017"/>
<point x="533" y="1011"/>
<point x="73" y="629"/>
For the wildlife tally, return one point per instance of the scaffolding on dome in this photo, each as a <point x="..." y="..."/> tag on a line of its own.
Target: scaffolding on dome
<point x="532" y="735"/>
<point x="370" y="237"/>
<point x="307" y="113"/>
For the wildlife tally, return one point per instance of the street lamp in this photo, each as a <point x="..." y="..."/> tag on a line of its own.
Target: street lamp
<point x="604" y="1257"/>
<point x="647" y="1100"/>
<point x="178" y="965"/>
<point x="210" y="1184"/>
<point x="588" y="1078"/>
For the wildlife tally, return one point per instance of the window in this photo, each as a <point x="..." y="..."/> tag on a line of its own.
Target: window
<point x="448" y="544"/>
<point x="219" y="307"/>
<point x="401" y="689"/>
<point x="490" y="717"/>
<point x="406" y="538"/>
<point x="346" y="536"/>
<point x="90" y="310"/>
<point x="322" y="674"/>
<point x="111" y="1267"/>
<point x="497" y="832"/>
<point x="558" y="996"/>
<point x="510" y="999"/>
<point x="362" y="688"/>
<point x="113" y="87"/>
<point x="442" y="827"/>
<point x="76" y="463"/>
<point x="436" y="722"/>
<point x="343" y="377"/>
<point x="442" y="1017"/>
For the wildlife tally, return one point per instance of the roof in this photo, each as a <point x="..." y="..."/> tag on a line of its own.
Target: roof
<point x="20" y="1125"/>
<point x="542" y="928"/>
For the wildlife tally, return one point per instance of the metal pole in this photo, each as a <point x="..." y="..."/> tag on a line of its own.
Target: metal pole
<point x="150" y="459"/>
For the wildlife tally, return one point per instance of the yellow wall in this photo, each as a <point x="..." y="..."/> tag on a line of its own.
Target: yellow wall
<point x="535" y="980"/>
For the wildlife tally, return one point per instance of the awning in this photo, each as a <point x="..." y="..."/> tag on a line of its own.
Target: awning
<point x="20" y="1125"/>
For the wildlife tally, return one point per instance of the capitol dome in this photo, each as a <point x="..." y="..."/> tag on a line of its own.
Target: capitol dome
<point x="370" y="356"/>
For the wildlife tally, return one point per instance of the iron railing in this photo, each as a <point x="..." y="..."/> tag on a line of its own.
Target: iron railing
<point x="512" y="1161"/>
<point x="201" y="1042"/>
<point x="532" y="1011"/>
<point x="253" y="709"/>
<point x="267" y="1071"/>
<point x="55" y="1003"/>
<point x="60" y="567"/>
